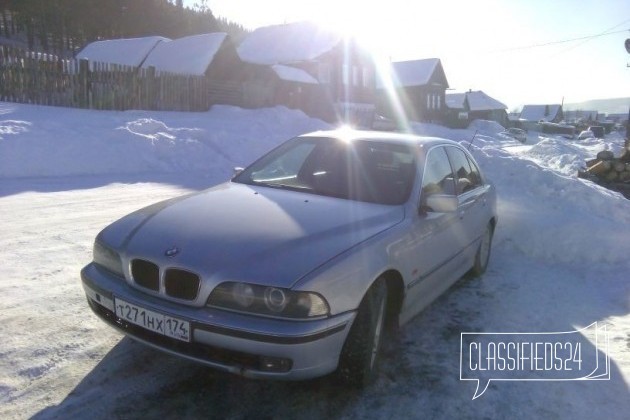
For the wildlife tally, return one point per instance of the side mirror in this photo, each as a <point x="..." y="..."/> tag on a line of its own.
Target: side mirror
<point x="236" y="171"/>
<point x="441" y="203"/>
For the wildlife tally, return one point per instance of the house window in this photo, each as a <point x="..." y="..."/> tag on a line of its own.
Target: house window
<point x="324" y="73"/>
<point x="431" y="101"/>
<point x="439" y="102"/>
<point x="366" y="77"/>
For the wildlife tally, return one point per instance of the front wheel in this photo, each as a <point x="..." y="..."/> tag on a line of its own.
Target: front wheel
<point x="360" y="354"/>
<point x="483" y="253"/>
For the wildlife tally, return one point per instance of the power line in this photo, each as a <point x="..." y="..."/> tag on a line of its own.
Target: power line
<point x="606" y="32"/>
<point x="546" y="44"/>
<point x="564" y="41"/>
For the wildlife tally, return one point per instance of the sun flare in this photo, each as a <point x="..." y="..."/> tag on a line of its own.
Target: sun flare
<point x="353" y="20"/>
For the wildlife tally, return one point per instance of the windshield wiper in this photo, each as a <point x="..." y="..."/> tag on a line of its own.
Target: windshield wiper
<point x="282" y="186"/>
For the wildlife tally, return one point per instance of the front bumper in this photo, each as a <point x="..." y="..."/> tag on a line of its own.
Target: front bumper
<point x="236" y="343"/>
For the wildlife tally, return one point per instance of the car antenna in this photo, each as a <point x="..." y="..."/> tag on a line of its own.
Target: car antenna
<point x="473" y="139"/>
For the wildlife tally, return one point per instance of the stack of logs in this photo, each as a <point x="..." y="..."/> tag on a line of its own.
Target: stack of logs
<point x="609" y="171"/>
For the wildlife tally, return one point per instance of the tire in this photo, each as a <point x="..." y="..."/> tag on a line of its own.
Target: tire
<point x="483" y="253"/>
<point x="359" y="358"/>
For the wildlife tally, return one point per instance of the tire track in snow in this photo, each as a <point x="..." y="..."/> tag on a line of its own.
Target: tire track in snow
<point x="46" y="239"/>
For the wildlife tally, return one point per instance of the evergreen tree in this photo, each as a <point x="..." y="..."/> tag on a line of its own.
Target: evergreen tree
<point x="63" y="26"/>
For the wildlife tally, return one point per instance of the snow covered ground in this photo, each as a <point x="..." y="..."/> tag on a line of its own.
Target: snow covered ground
<point x="561" y="261"/>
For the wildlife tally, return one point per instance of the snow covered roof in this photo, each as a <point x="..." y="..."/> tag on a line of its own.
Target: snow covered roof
<point x="455" y="100"/>
<point x="128" y="52"/>
<point x="477" y="101"/>
<point x="287" y="43"/>
<point x="413" y="73"/>
<point x="293" y="74"/>
<point x="189" y="55"/>
<point x="540" y="112"/>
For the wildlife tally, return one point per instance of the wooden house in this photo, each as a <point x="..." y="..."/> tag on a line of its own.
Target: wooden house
<point x="533" y="115"/>
<point x="417" y="88"/>
<point x="301" y="65"/>
<point x="462" y="108"/>
<point x="211" y="55"/>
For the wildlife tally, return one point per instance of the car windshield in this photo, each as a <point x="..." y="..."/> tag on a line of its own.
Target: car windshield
<point x="371" y="171"/>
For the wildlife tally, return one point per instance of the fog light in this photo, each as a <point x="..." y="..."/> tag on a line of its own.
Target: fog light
<point x="275" y="364"/>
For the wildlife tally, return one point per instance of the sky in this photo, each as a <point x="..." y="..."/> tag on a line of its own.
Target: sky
<point x="518" y="51"/>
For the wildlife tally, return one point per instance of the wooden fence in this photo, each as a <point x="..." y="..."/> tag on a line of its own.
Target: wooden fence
<point x="44" y="79"/>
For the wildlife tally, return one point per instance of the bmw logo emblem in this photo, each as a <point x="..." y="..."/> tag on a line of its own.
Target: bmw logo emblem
<point x="171" y="252"/>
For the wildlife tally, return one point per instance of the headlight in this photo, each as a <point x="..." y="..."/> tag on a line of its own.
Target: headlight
<point x="243" y="294"/>
<point x="107" y="258"/>
<point x="276" y="299"/>
<point x="266" y="300"/>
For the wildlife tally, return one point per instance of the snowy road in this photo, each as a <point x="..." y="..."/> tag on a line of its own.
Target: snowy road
<point x="48" y="337"/>
<point x="67" y="363"/>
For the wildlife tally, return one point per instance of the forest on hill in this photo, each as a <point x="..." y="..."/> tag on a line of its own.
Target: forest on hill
<point x="64" y="26"/>
<point x="606" y="106"/>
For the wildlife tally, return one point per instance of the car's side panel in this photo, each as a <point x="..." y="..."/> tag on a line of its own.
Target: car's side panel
<point x="345" y="279"/>
<point x="472" y="194"/>
<point x="432" y="259"/>
<point x="474" y="212"/>
<point x="443" y="245"/>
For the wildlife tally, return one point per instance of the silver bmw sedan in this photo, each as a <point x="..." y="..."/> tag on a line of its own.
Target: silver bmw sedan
<point x="305" y="261"/>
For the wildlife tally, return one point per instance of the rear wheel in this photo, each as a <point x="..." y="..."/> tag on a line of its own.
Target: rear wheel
<point x="360" y="354"/>
<point x="483" y="253"/>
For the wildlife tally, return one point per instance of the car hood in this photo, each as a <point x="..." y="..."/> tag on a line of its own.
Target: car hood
<point x="247" y="233"/>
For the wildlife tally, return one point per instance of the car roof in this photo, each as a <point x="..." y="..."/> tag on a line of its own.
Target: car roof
<point x="347" y="134"/>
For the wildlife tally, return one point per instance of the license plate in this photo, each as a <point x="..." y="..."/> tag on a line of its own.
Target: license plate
<point x="153" y="321"/>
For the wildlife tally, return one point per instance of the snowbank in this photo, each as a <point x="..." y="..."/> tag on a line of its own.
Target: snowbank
<point x="552" y="216"/>
<point x="47" y="141"/>
<point x="484" y="126"/>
